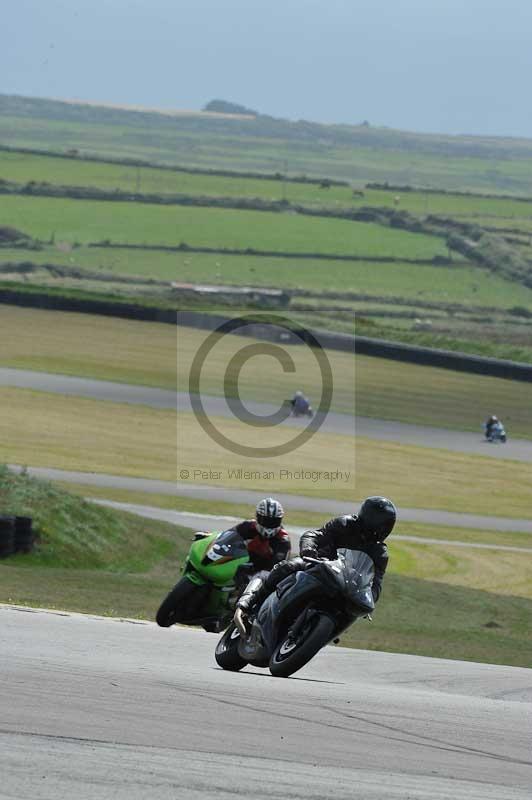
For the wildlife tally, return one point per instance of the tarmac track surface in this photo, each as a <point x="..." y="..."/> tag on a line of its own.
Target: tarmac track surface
<point x="386" y="430"/>
<point x="97" y="708"/>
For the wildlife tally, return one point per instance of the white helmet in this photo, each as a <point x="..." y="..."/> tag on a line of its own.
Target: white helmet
<point x="269" y="515"/>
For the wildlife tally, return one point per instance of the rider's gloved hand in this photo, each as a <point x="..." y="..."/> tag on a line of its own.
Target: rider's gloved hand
<point x="312" y="558"/>
<point x="246" y="603"/>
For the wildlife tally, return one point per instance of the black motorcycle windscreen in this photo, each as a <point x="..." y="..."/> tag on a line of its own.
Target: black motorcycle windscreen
<point x="355" y="571"/>
<point x="228" y="544"/>
<point x="352" y="574"/>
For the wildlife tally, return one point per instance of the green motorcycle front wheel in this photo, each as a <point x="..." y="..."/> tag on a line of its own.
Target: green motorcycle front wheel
<point x="181" y="603"/>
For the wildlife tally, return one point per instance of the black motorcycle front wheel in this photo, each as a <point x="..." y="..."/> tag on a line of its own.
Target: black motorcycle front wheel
<point x="293" y="653"/>
<point x="226" y="653"/>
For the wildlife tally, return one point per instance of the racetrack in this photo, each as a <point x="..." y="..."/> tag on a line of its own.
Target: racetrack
<point x="215" y="522"/>
<point x="97" y="708"/>
<point x="222" y="494"/>
<point x="335" y="507"/>
<point x="387" y="430"/>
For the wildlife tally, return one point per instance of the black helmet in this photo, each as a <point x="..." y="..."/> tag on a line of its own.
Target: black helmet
<point x="377" y="515"/>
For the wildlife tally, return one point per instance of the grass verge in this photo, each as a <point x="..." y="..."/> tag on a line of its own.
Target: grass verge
<point x="73" y="533"/>
<point x="434" y="619"/>
<point x="88" y="558"/>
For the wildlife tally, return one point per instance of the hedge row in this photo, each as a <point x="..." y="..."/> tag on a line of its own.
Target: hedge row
<point x="391" y="187"/>
<point x="79" y="273"/>
<point x="183" y="247"/>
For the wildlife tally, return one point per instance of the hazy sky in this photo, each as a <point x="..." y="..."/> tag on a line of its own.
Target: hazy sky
<point x="456" y="66"/>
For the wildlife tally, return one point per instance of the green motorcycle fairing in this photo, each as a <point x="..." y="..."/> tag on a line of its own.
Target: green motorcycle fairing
<point x="215" y="559"/>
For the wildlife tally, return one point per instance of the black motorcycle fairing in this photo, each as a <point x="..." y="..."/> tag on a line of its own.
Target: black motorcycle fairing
<point x="301" y="587"/>
<point x="257" y="646"/>
<point x="277" y="613"/>
<point x="354" y="572"/>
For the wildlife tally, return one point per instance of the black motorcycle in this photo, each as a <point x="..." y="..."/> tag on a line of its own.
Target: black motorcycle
<point x="496" y="433"/>
<point x="307" y="610"/>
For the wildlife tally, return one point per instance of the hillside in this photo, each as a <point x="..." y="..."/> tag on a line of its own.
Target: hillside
<point x="132" y="205"/>
<point x="356" y="153"/>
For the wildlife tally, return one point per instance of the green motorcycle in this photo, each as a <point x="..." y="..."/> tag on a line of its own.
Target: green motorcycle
<point x="207" y="592"/>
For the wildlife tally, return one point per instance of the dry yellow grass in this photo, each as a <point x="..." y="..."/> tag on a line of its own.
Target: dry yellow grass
<point x="49" y="430"/>
<point x="413" y="476"/>
<point x="91" y="346"/>
<point x="41" y="429"/>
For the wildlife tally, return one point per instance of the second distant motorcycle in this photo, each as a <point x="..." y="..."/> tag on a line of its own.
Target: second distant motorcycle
<point x="496" y="433"/>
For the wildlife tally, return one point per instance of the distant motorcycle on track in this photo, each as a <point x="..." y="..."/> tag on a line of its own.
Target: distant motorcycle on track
<point x="308" y="413"/>
<point x="496" y="434"/>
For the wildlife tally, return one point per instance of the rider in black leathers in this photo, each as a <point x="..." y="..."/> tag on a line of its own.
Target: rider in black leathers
<point x="490" y="423"/>
<point x="365" y="532"/>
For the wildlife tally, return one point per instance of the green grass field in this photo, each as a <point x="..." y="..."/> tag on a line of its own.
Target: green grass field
<point x="448" y="205"/>
<point x="22" y="168"/>
<point x="67" y="222"/>
<point x="463" y="284"/>
<point x="92" y="221"/>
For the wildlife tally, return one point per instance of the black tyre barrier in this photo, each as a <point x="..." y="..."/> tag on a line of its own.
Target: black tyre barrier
<point x="24" y="535"/>
<point x="7" y="536"/>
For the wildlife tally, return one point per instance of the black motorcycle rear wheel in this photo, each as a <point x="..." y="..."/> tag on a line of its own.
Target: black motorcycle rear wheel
<point x="226" y="653"/>
<point x="292" y="654"/>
